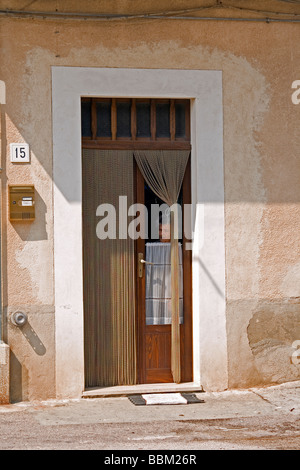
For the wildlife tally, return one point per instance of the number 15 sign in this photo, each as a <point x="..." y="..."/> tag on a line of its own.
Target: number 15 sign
<point x="19" y="153"/>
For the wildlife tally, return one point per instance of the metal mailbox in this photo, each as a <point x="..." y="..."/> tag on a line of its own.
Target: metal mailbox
<point x="21" y="202"/>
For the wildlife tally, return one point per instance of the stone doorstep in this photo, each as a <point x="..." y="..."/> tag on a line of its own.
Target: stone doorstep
<point x="126" y="390"/>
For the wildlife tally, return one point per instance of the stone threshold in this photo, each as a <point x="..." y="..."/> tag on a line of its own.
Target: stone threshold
<point x="126" y="390"/>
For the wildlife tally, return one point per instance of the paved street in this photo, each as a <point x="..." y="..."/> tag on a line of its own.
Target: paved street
<point x="261" y="418"/>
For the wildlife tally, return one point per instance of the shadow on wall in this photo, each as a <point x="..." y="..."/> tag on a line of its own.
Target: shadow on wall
<point x="18" y="383"/>
<point x="33" y="339"/>
<point x="18" y="371"/>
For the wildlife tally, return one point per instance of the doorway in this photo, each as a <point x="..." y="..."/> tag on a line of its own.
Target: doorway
<point x="130" y="349"/>
<point x="154" y="291"/>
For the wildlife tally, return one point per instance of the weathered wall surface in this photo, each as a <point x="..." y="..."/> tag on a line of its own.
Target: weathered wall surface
<point x="261" y="162"/>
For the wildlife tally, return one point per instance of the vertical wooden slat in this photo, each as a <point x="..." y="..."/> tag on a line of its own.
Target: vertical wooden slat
<point x="153" y="120"/>
<point x="187" y="120"/>
<point x="94" y="119"/>
<point x="114" y="119"/>
<point x="133" y="119"/>
<point x="172" y="120"/>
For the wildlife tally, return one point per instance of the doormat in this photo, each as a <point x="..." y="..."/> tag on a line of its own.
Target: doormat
<point x="164" y="399"/>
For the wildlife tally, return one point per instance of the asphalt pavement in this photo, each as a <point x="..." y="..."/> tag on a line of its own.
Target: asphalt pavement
<point x="255" y="419"/>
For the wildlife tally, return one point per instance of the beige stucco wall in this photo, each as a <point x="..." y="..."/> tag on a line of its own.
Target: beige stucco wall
<point x="259" y="62"/>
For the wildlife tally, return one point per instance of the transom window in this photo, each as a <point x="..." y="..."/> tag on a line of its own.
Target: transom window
<point x="135" y="123"/>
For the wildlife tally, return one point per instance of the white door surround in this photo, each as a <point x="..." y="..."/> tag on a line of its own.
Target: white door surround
<point x="204" y="89"/>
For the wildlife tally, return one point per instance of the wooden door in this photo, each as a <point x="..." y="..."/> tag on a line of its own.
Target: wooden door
<point x="154" y="340"/>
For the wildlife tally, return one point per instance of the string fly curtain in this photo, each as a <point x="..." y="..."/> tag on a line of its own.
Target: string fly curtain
<point x="163" y="170"/>
<point x="108" y="273"/>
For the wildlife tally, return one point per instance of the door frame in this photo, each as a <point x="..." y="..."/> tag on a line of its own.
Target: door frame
<point x="204" y="89"/>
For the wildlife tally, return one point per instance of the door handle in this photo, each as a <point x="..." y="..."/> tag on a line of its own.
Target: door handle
<point x="145" y="262"/>
<point x="141" y="262"/>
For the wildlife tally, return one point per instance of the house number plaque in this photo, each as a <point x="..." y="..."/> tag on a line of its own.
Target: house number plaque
<point x="19" y="153"/>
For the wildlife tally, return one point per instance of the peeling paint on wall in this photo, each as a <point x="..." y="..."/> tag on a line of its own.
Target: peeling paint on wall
<point x="272" y="331"/>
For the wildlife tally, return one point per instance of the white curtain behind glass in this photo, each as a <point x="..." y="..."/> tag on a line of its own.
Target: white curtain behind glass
<point x="158" y="284"/>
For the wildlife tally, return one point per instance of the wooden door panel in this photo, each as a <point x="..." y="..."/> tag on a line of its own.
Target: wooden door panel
<point x="158" y="353"/>
<point x="158" y="346"/>
<point x="158" y="376"/>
